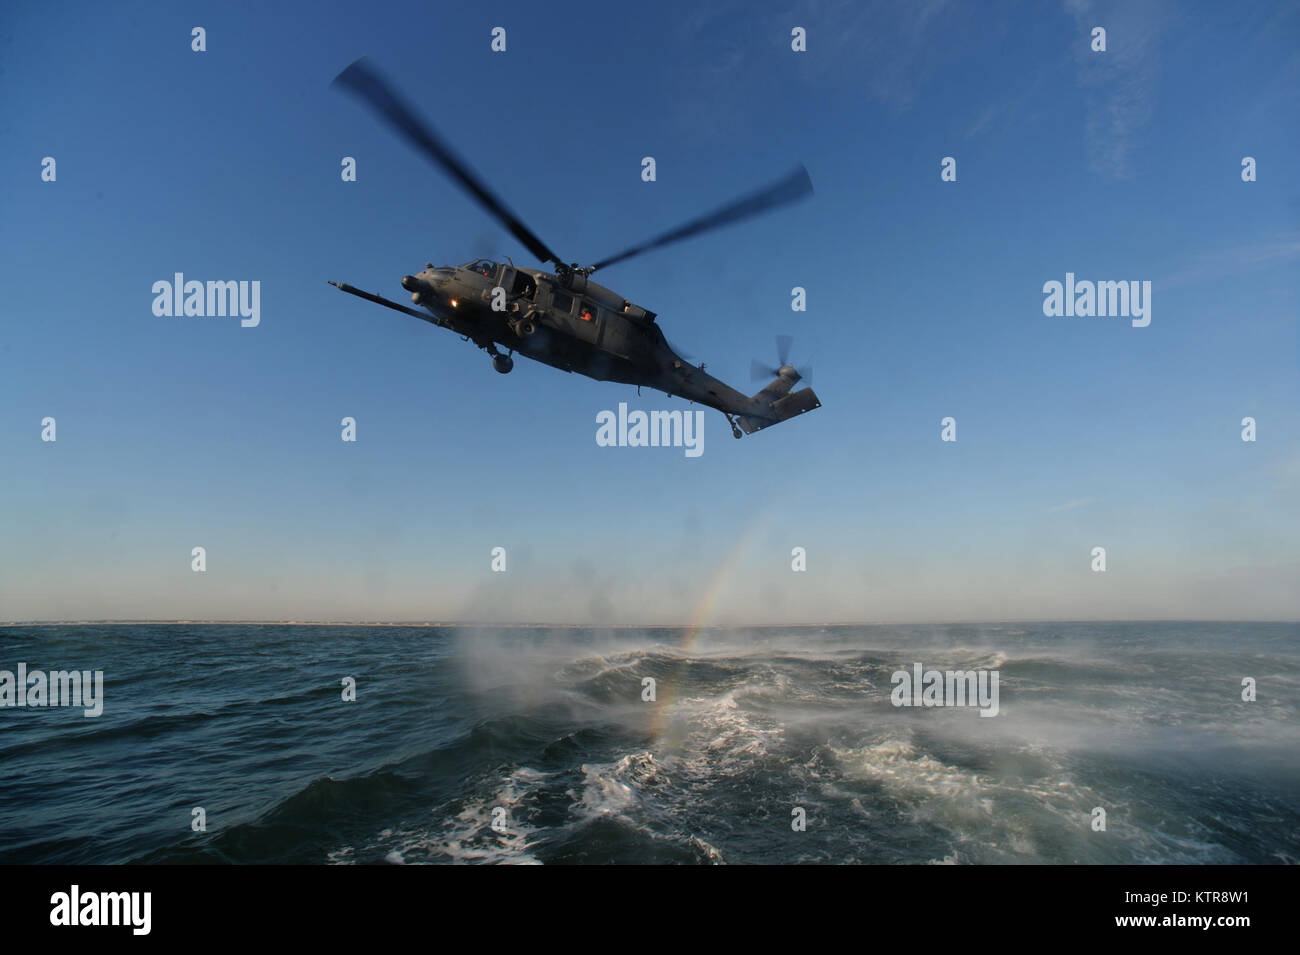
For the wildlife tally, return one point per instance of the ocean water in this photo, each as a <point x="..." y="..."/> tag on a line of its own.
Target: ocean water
<point x="544" y="732"/>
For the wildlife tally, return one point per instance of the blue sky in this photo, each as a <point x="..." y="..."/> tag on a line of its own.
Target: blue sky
<point x="924" y="301"/>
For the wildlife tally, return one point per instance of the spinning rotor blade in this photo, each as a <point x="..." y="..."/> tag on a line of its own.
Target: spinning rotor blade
<point x="367" y="84"/>
<point x="783" y="343"/>
<point x="795" y="186"/>
<point x="679" y="352"/>
<point x="760" y="371"/>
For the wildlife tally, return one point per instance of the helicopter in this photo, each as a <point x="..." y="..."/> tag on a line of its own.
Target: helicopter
<point x="564" y="319"/>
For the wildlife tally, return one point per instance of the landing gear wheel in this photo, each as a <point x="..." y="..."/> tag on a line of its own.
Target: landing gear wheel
<point x="503" y="363"/>
<point x="735" y="431"/>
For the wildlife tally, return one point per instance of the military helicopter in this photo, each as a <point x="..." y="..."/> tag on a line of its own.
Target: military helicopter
<point x="564" y="319"/>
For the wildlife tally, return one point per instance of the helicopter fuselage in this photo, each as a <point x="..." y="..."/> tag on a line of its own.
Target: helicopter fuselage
<point x="575" y="325"/>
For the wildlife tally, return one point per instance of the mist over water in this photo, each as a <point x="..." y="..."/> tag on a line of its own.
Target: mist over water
<point x="545" y="732"/>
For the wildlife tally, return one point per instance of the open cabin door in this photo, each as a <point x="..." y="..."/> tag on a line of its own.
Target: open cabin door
<point x="576" y="315"/>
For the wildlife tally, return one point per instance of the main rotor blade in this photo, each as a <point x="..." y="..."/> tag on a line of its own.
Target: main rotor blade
<point x="380" y="96"/>
<point x="793" y="187"/>
<point x="679" y="352"/>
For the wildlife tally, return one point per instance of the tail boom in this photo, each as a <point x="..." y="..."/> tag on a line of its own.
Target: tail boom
<point x="781" y="404"/>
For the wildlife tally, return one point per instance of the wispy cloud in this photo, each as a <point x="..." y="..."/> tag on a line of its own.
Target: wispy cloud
<point x="1120" y="81"/>
<point x="888" y="52"/>
<point x="1071" y="505"/>
<point x="1237" y="260"/>
<point x="714" y="24"/>
<point x="898" y="46"/>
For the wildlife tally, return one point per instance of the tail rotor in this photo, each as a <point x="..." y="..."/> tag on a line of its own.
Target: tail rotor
<point x="761" y="371"/>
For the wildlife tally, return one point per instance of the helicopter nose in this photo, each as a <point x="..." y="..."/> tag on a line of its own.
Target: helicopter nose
<point x="421" y="291"/>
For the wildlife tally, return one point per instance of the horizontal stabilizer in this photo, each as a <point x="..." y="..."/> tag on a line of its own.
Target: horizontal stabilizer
<point x="783" y="409"/>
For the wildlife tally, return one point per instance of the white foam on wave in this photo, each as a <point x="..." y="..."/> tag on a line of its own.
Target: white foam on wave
<point x="634" y="788"/>
<point x="897" y="764"/>
<point x="720" y="736"/>
<point x="613" y="788"/>
<point x="469" y="836"/>
<point x="989" y="790"/>
<point x="597" y="666"/>
<point x="988" y="818"/>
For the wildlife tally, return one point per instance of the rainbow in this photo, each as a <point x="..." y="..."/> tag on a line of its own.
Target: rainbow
<point x="700" y="617"/>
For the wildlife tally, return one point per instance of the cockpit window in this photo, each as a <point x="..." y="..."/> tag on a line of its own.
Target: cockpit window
<point x="484" y="267"/>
